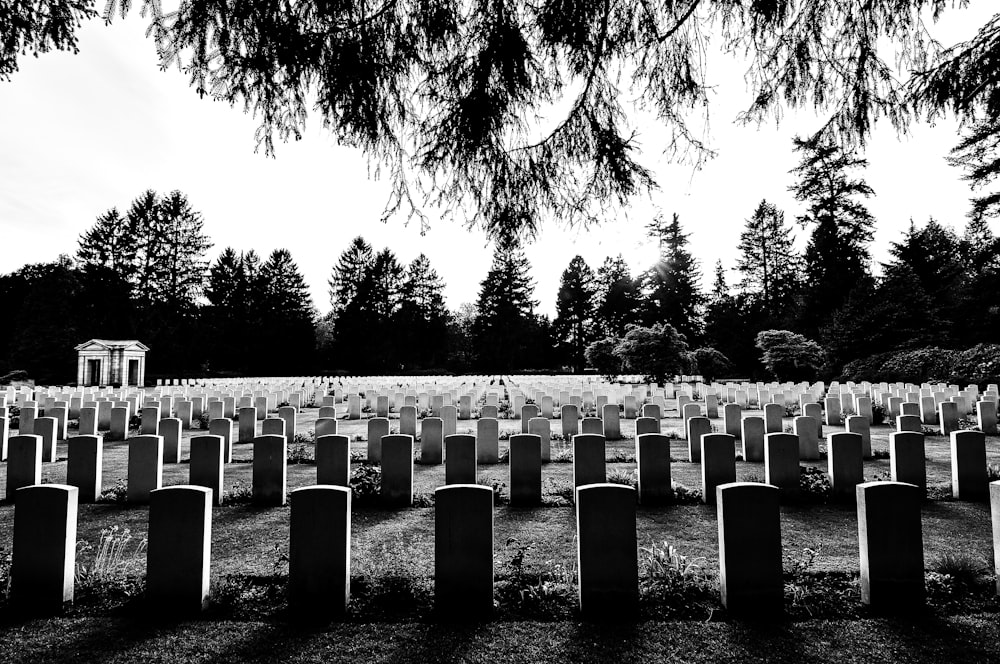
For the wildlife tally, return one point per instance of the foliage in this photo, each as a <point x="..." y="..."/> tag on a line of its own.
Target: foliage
<point x="625" y="477"/>
<point x="672" y="294"/>
<point x="618" y="298"/>
<point x="879" y="414"/>
<point x="300" y="453"/>
<point x="711" y="364"/>
<point x="979" y="364"/>
<point x="499" y="495"/>
<point x="788" y="355"/>
<point x="117" y="493"/>
<point x="768" y="263"/>
<point x="117" y="555"/>
<point x="814" y="484"/>
<point x="683" y="495"/>
<point x="575" y="311"/>
<point x="548" y="593"/>
<point x="18" y="375"/>
<point x="601" y="356"/>
<point x="239" y="493"/>
<point x="673" y="585"/>
<point x="366" y="484"/>
<point x="657" y="352"/>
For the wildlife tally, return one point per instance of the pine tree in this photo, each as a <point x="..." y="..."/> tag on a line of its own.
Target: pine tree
<point x="109" y="246"/>
<point x="349" y="274"/>
<point x="505" y="322"/>
<point x="618" y="298"/>
<point x="673" y="295"/>
<point x="422" y="319"/>
<point x="768" y="262"/>
<point x="836" y="258"/>
<point x="288" y="315"/>
<point x="575" y="311"/>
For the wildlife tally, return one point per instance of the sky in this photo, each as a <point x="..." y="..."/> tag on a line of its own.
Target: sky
<point x="82" y="133"/>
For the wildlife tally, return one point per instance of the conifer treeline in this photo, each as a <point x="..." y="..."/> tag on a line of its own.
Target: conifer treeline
<point x="143" y="274"/>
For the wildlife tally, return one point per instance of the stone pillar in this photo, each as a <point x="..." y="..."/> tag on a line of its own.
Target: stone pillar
<point x="248" y="424"/>
<point x="460" y="459"/>
<point x="718" y="463"/>
<point x="907" y="460"/>
<point x="145" y="467"/>
<point x="570" y="420"/>
<point x="84" y="466"/>
<point x="397" y="470"/>
<point x="525" y="470"/>
<point x="463" y="551"/>
<point x="607" y="563"/>
<point x="588" y="460"/>
<point x="652" y="457"/>
<point x="170" y="431"/>
<point x="781" y="462"/>
<point x="319" y="551"/>
<point x="431" y="441"/>
<point x="969" y="480"/>
<point x="753" y="439"/>
<point x="333" y="460"/>
<point x="750" y="569"/>
<point x="178" y="553"/>
<point x="845" y="465"/>
<point x="270" y="469"/>
<point x="43" y="559"/>
<point x="24" y="463"/>
<point x="487" y="440"/>
<point x="207" y="464"/>
<point x="377" y="428"/>
<point x="892" y="547"/>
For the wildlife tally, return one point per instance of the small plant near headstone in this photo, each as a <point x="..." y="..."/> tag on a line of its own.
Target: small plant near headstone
<point x="305" y="438"/>
<point x="625" y="477"/>
<point x="358" y="456"/>
<point x="880" y="452"/>
<point x="423" y="499"/>
<point x="239" y="493"/>
<point x="792" y="411"/>
<point x="5" y="564"/>
<point x="789" y="428"/>
<point x="203" y="421"/>
<point x="753" y="477"/>
<point x="116" y="493"/>
<point x="673" y="585"/>
<point x="818" y="594"/>
<point x="683" y="495"/>
<point x="557" y="493"/>
<point x="881" y="476"/>
<point x="619" y="455"/>
<point x="116" y="556"/>
<point x="968" y="424"/>
<point x="135" y="424"/>
<point x="930" y="431"/>
<point x="504" y="456"/>
<point x="499" y="495"/>
<point x="548" y="593"/>
<point x="358" y="438"/>
<point x="814" y="484"/>
<point x="366" y="484"/>
<point x="300" y="454"/>
<point x="562" y="455"/>
<point x="878" y="414"/>
<point x="958" y="581"/>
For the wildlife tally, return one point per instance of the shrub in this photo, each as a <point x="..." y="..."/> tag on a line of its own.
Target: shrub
<point x="683" y="495"/>
<point x="658" y="352"/>
<point x="498" y="486"/>
<point x="814" y="484"/>
<point x="300" y="454"/>
<point x="562" y="491"/>
<point x="790" y="356"/>
<point x="239" y="494"/>
<point x="116" y="493"/>
<point x="601" y="356"/>
<point x="672" y="584"/>
<point x="880" y="452"/>
<point x="563" y="455"/>
<point x="619" y="455"/>
<point x="366" y="484"/>
<point x="16" y="376"/>
<point x="711" y="364"/>
<point x="626" y="477"/>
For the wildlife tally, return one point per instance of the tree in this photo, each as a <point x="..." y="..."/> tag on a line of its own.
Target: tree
<point x="711" y="363"/>
<point x="288" y="316"/>
<point x="790" y="356"/>
<point x="349" y="274"/>
<point x="575" y="311"/>
<point x="505" y="325"/>
<point x="673" y="294"/>
<point x="601" y="357"/>
<point x="422" y="319"/>
<point x="768" y="261"/>
<point x="442" y="96"/>
<point x="658" y="352"/>
<point x="617" y="296"/>
<point x="836" y="258"/>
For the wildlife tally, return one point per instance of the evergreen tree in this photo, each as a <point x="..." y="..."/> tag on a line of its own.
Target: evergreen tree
<point x="505" y="323"/>
<point x="725" y="313"/>
<point x="978" y="154"/>
<point x="673" y="294"/>
<point x="618" y="298"/>
<point x="768" y="262"/>
<point x="836" y="258"/>
<point x="109" y="246"/>
<point x="287" y="315"/>
<point x="349" y="274"/>
<point x="422" y="320"/>
<point x="575" y="311"/>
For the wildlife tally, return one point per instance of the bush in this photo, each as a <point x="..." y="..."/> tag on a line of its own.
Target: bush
<point x="878" y="414"/>
<point x="498" y="486"/>
<point x="300" y="454"/>
<point x="625" y="477"/>
<point x="790" y="356"/>
<point x="16" y="376"/>
<point x="239" y="494"/>
<point x="658" y="352"/>
<point x="366" y="484"/>
<point x="979" y="364"/>
<point x="116" y="493"/>
<point x="711" y="364"/>
<point x="814" y="484"/>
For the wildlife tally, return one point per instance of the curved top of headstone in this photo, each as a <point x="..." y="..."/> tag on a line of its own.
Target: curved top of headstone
<point x="48" y="488"/>
<point x="469" y="489"/>
<point x="593" y="438"/>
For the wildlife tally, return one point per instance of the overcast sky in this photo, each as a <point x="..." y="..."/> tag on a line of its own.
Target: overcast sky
<point x="82" y="133"/>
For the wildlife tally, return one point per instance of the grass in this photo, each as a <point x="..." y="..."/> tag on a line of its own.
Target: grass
<point x="392" y="552"/>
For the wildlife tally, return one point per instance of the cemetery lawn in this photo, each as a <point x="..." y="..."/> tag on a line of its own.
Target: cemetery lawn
<point x="391" y="618"/>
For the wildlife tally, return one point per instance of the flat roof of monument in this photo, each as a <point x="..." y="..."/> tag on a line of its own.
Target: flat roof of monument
<point x="127" y="344"/>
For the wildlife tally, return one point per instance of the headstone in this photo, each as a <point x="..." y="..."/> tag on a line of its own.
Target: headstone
<point x="630" y="407"/>
<point x="150" y="421"/>
<point x="948" y="413"/>
<point x="489" y="411"/>
<point x="178" y="549"/>
<point x="43" y="560"/>
<point x="909" y="423"/>
<point x="4" y="435"/>
<point x="731" y="413"/>
<point x="290" y="416"/>
<point x="646" y="425"/>
<point x="354" y="407"/>
<point x="805" y="428"/>
<point x="696" y="428"/>
<point x="46" y="428"/>
<point x="378" y="427"/>
<point x="527" y="412"/>
<point x="207" y="464"/>
<point x="907" y="461"/>
<point x="928" y="410"/>
<point x="859" y="424"/>
<point x="319" y="551"/>
<point x="540" y="427"/>
<point x="612" y="422"/>
<point x="463" y="551"/>
<point x="432" y="441"/>
<point x="772" y="418"/>
<point x="449" y="420"/>
<point x="607" y="561"/>
<point x="270" y="469"/>
<point x="61" y="416"/>
<point x="711" y="406"/>
<point x="488" y="440"/>
<point x="382" y="406"/>
<point x="753" y="438"/>
<point x="145" y="467"/>
<point x="892" y="547"/>
<point x="460" y="459"/>
<point x="718" y="463"/>
<point x="273" y="426"/>
<point x="408" y="421"/>
<point x="652" y="410"/>
<point x="652" y="456"/>
<point x="24" y="463"/>
<point x="570" y="420"/>
<point x="910" y="408"/>
<point x="397" y="469"/>
<point x="84" y="466"/>
<point x="525" y="470"/>
<point x="328" y="412"/>
<point x="170" y="432"/>
<point x="969" y="480"/>
<point x="223" y="427"/>
<point x="815" y="411"/>
<point x="588" y="460"/>
<point x="592" y="425"/>
<point x="995" y="519"/>
<point x="987" y="417"/>
<point x="832" y="407"/>
<point x="333" y="460"/>
<point x="185" y="410"/>
<point x="750" y="563"/>
<point x="845" y="464"/>
<point x="781" y="461"/>
<point x="248" y="425"/>
<point x="88" y="421"/>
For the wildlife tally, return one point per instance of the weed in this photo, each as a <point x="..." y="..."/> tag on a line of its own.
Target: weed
<point x="423" y="499"/>
<point x="304" y="437"/>
<point x="672" y="584"/>
<point x="993" y="472"/>
<point x="116" y="556"/>
<point x="563" y="492"/>
<point x="753" y="477"/>
<point x="626" y="477"/>
<point x="357" y="456"/>
<point x="563" y="455"/>
<point x="548" y="593"/>
<point x="504" y="456"/>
